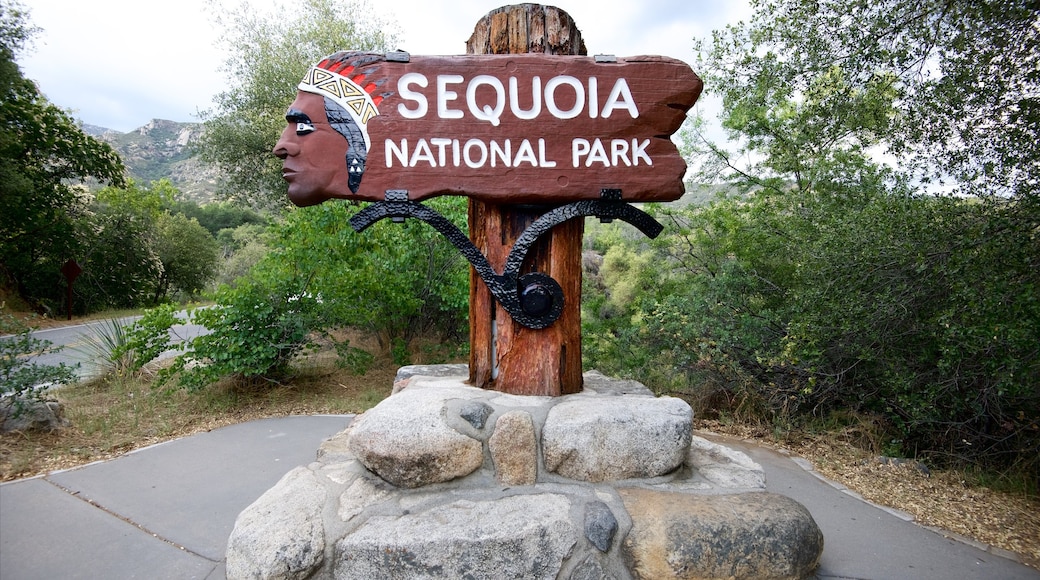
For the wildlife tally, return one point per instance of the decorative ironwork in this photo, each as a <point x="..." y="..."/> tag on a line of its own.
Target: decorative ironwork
<point x="534" y="300"/>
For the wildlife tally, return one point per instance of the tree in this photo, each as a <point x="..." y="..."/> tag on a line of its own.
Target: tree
<point x="965" y="76"/>
<point x="269" y="54"/>
<point x="120" y="265"/>
<point x="839" y="281"/>
<point x="188" y="254"/>
<point x="216" y="216"/>
<point x="136" y="251"/>
<point x="43" y="155"/>
<point x="395" y="281"/>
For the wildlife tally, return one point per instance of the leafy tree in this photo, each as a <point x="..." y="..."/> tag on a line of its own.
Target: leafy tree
<point x="965" y="76"/>
<point x="137" y="252"/>
<point x="44" y="155"/>
<point x="120" y="265"/>
<point x="188" y="254"/>
<point x="269" y="54"/>
<point x="216" y="216"/>
<point x="242" y="248"/>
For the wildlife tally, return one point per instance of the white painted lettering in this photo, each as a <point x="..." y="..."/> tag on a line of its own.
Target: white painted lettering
<point x="487" y="112"/>
<point x="639" y="150"/>
<point x="598" y="154"/>
<point x="620" y="98"/>
<point x="422" y="152"/>
<point x="536" y="99"/>
<point x="525" y="154"/>
<point x="444" y="96"/>
<point x="550" y="96"/>
<point x="504" y="154"/>
<point x="593" y="97"/>
<point x="421" y="105"/>
<point x="440" y="143"/>
<point x="470" y="145"/>
<point x="586" y="97"/>
<point x="401" y="153"/>
<point x="579" y="148"/>
<point x="542" y="161"/>
<point x="619" y="152"/>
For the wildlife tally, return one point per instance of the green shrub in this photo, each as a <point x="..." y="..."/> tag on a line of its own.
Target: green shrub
<point x="149" y="336"/>
<point x="924" y="311"/>
<point x="21" y="380"/>
<point x="255" y="331"/>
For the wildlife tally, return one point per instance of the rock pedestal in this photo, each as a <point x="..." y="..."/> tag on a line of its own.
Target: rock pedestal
<point x="444" y="480"/>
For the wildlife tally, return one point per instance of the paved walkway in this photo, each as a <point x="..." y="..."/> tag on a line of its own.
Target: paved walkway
<point x="166" y="511"/>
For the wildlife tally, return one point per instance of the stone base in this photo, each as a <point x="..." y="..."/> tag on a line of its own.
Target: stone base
<point x="443" y="480"/>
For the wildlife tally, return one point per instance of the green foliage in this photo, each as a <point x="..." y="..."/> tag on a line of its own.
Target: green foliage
<point x="49" y="219"/>
<point x="359" y="361"/>
<point x="21" y="380"/>
<point x="120" y="265"/>
<point x="256" y="328"/>
<point x="831" y="282"/>
<point x="804" y="305"/>
<point x="188" y="254"/>
<point x="135" y="252"/>
<point x="43" y="155"/>
<point x="242" y="248"/>
<point x="216" y="216"/>
<point x="394" y="281"/>
<point x="269" y="54"/>
<point x="104" y="347"/>
<point x="148" y="337"/>
<point x="957" y="72"/>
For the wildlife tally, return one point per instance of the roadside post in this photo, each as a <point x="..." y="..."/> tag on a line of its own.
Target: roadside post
<point x="71" y="270"/>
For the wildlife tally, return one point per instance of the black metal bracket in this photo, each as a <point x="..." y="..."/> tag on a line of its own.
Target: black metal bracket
<point x="534" y="300"/>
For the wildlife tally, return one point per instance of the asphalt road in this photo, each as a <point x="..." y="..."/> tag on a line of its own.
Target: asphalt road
<point x="75" y="340"/>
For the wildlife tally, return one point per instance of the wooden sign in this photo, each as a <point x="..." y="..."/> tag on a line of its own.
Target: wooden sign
<point x="524" y="128"/>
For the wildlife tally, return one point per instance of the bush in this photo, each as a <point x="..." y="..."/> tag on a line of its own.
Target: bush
<point x="148" y="337"/>
<point x="22" y="381"/>
<point x="394" y="281"/>
<point x="922" y="310"/>
<point x="255" y="331"/>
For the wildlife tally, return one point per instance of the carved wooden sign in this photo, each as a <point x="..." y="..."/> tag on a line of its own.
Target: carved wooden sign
<point x="523" y="128"/>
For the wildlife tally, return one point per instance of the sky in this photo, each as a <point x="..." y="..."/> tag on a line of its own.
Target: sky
<point x="121" y="63"/>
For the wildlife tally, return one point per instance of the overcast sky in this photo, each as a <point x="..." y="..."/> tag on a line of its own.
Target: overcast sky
<point x="121" y="63"/>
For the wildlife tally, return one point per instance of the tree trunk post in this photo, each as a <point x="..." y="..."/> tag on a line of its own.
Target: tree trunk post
<point x="506" y="356"/>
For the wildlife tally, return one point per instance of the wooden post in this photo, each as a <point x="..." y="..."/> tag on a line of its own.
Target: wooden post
<point x="505" y="356"/>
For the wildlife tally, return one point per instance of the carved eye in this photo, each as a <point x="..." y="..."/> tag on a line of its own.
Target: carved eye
<point x="304" y="128"/>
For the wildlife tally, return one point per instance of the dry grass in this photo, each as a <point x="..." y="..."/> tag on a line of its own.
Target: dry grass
<point x="110" y="417"/>
<point x="946" y="500"/>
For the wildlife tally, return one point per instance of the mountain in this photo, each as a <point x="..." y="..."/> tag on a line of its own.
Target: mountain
<point x="163" y="149"/>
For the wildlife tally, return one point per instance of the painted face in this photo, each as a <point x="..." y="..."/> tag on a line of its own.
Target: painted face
<point x="312" y="153"/>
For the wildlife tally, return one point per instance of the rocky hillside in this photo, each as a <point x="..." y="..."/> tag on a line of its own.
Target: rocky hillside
<point x="163" y="149"/>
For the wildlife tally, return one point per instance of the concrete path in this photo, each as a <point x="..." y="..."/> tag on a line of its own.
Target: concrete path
<point x="166" y="511"/>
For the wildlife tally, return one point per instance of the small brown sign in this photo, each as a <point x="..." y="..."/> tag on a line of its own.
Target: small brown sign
<point x="528" y="128"/>
<point x="71" y="270"/>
